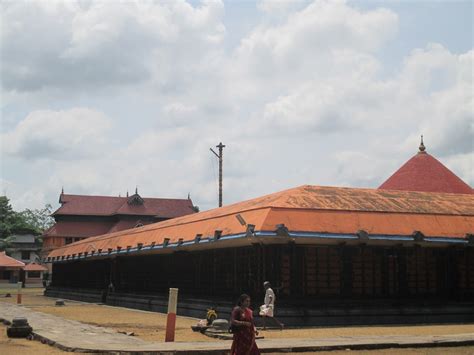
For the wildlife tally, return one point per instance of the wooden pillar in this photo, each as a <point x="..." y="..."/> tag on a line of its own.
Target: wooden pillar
<point x="402" y="272"/>
<point x="118" y="275"/>
<point x="346" y="277"/>
<point x="470" y="272"/>
<point x="234" y="271"/>
<point x="296" y="270"/>
<point x="257" y="279"/>
<point x="113" y="271"/>
<point x="375" y="290"/>
<point x="385" y="272"/>
<point x="453" y="273"/>
<point x="285" y="268"/>
<point x="469" y="285"/>
<point x="363" y="269"/>
<point x="214" y="272"/>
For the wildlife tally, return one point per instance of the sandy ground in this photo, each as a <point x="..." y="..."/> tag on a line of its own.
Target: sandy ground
<point x="151" y="326"/>
<point x="27" y="347"/>
<point x="24" y="347"/>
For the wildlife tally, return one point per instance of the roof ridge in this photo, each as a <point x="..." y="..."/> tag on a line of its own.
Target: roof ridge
<point x="124" y="197"/>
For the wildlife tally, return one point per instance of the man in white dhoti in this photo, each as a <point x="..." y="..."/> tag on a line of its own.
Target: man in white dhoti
<point x="268" y="308"/>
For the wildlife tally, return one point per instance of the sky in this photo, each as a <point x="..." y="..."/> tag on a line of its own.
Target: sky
<point x="101" y="97"/>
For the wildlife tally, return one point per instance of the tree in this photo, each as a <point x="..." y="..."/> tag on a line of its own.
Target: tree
<point x="30" y="221"/>
<point x="9" y="219"/>
<point x="39" y="219"/>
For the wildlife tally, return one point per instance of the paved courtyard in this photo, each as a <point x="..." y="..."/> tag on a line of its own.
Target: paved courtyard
<point x="93" y="327"/>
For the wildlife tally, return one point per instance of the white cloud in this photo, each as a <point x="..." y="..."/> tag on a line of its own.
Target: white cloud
<point x="71" y="134"/>
<point x="178" y="114"/>
<point x="278" y="7"/>
<point x="463" y="164"/>
<point x="304" y="97"/>
<point x="76" y="44"/>
<point x="310" y="36"/>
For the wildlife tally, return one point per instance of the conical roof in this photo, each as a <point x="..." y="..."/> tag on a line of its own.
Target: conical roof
<point x="425" y="173"/>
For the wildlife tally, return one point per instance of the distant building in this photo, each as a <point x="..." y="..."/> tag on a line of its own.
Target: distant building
<point x="23" y="264"/>
<point x="13" y="271"/>
<point x="82" y="216"/>
<point x="25" y="246"/>
<point x="33" y="275"/>
<point x="10" y="270"/>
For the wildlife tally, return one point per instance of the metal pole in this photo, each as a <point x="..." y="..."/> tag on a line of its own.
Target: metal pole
<point x="220" y="157"/>
<point x="221" y="147"/>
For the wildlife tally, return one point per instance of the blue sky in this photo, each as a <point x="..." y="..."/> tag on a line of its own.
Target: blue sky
<point x="100" y="98"/>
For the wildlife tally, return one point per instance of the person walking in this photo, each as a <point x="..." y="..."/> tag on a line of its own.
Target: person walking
<point x="243" y="328"/>
<point x="268" y="308"/>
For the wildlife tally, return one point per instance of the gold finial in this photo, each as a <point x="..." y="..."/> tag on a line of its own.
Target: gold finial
<point x="422" y="147"/>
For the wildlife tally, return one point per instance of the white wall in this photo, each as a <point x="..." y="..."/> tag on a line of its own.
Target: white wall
<point x="23" y="238"/>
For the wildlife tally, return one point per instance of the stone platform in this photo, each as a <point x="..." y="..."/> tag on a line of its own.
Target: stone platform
<point x="75" y="336"/>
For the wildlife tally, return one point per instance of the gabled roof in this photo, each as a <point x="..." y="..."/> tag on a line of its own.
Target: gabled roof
<point x="90" y="228"/>
<point x="110" y="206"/>
<point x="308" y="209"/>
<point x="423" y="172"/>
<point x="6" y="261"/>
<point x="35" y="267"/>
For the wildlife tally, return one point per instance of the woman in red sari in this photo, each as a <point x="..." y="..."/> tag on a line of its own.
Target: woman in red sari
<point x="243" y="328"/>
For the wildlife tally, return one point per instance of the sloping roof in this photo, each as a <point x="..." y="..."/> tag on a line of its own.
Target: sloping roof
<point x="423" y="172"/>
<point x="309" y="209"/>
<point x="6" y="261"/>
<point x="127" y="224"/>
<point x="110" y="206"/>
<point x="79" y="229"/>
<point x="35" y="267"/>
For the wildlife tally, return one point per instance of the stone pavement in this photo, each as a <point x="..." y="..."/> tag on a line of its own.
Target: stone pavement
<point x="71" y="335"/>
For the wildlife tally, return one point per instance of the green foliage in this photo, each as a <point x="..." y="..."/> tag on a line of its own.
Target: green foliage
<point x="9" y="219"/>
<point x="5" y="244"/>
<point x="39" y="219"/>
<point x="31" y="221"/>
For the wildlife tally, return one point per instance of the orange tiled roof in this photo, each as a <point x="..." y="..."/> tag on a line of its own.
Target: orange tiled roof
<point x="35" y="267"/>
<point x="6" y="261"/>
<point x="308" y="209"/>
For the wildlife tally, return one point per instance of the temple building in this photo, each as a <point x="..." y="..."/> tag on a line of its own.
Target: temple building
<point x="335" y="255"/>
<point x="82" y="216"/>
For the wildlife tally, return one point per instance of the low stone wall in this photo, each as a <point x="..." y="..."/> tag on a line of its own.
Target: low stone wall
<point x="187" y="306"/>
<point x="318" y="314"/>
<point x="84" y="295"/>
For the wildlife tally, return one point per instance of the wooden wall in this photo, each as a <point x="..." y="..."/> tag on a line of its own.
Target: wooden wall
<point x="298" y="273"/>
